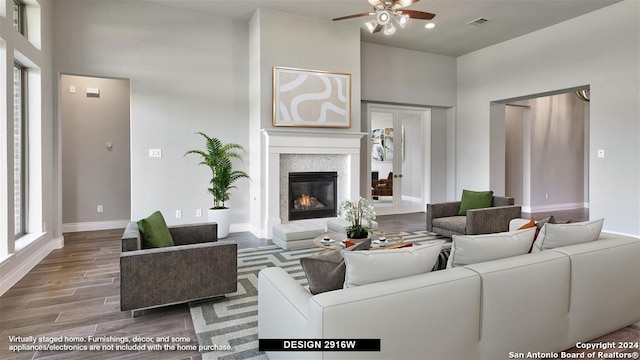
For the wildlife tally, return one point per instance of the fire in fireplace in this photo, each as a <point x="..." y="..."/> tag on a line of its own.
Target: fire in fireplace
<point x="312" y="195"/>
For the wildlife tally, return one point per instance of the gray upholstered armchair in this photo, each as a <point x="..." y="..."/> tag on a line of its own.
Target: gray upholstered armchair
<point x="196" y="267"/>
<point x="443" y="218"/>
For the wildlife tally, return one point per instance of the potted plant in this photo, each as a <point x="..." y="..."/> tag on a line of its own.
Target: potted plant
<point x="359" y="214"/>
<point x="217" y="157"/>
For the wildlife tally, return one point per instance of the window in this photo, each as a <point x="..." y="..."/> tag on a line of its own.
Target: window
<point x="19" y="16"/>
<point x="19" y="150"/>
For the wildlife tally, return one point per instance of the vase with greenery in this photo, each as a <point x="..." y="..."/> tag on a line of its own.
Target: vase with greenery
<point x="217" y="156"/>
<point x="359" y="214"/>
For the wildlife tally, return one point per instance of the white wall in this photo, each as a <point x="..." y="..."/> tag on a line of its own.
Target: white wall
<point x="92" y="173"/>
<point x="600" y="49"/>
<point x="407" y="77"/>
<point x="188" y="73"/>
<point x="514" y="152"/>
<point x="44" y="232"/>
<point x="281" y="39"/>
<point x="394" y="75"/>
<point x="439" y="155"/>
<point x="557" y="150"/>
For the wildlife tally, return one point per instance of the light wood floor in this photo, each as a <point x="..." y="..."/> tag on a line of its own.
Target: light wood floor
<point x="74" y="291"/>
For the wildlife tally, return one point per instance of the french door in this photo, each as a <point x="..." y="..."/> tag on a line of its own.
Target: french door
<point x="400" y="153"/>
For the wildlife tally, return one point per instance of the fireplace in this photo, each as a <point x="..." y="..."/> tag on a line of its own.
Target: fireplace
<point x="312" y="195"/>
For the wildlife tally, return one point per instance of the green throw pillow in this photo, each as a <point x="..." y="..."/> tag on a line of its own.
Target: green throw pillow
<point x="474" y="200"/>
<point x="154" y="232"/>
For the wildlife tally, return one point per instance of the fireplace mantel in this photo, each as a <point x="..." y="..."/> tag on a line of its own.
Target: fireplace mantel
<point x="295" y="142"/>
<point x="312" y="142"/>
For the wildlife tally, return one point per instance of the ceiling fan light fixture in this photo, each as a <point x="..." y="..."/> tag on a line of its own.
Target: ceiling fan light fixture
<point x="429" y="25"/>
<point x="371" y="25"/>
<point x="402" y="20"/>
<point x="383" y="17"/>
<point x="389" y="29"/>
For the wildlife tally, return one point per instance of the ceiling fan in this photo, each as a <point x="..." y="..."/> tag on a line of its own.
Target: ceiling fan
<point x="387" y="11"/>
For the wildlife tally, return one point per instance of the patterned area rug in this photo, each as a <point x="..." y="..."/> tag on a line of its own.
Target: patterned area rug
<point x="232" y="322"/>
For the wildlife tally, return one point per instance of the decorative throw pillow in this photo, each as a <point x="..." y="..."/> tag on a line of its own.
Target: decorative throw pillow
<point x="366" y="267"/>
<point x="474" y="200"/>
<point x="443" y="258"/>
<point x="550" y="220"/>
<point x="531" y="224"/>
<point x="325" y="272"/>
<point x="557" y="235"/>
<point x="471" y="249"/>
<point x="154" y="232"/>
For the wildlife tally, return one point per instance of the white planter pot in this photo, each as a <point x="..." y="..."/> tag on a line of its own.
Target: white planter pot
<point x="223" y="218"/>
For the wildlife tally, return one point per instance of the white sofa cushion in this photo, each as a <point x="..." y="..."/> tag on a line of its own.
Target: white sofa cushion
<point x="471" y="249"/>
<point x="366" y="267"/>
<point x="557" y="235"/>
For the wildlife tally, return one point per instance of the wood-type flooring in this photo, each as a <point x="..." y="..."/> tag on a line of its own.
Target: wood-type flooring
<point x="74" y="291"/>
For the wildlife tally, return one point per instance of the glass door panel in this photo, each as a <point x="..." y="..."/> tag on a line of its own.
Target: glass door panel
<point x="382" y="149"/>
<point x="397" y="159"/>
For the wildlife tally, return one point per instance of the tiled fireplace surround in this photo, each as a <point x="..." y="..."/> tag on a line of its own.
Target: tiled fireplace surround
<point x="295" y="151"/>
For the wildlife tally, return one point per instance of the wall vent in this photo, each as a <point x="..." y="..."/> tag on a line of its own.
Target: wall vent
<point x="478" y="21"/>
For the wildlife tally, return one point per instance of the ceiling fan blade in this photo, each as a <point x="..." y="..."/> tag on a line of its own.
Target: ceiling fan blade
<point x="376" y="3"/>
<point x="352" y="16"/>
<point x="418" y="14"/>
<point x="377" y="29"/>
<point x="403" y="3"/>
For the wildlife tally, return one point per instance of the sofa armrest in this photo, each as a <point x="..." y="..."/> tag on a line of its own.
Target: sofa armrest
<point x="131" y="238"/>
<point x="502" y="201"/>
<point x="491" y="220"/>
<point x="175" y="274"/>
<point x="194" y="233"/>
<point x="283" y="305"/>
<point x="440" y="210"/>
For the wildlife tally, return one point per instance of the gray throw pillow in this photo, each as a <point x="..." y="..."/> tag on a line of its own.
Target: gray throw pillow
<point x="326" y="272"/>
<point x="540" y="223"/>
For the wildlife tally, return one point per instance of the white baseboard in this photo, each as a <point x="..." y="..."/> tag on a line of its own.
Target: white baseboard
<point x="57" y="243"/>
<point x="95" y="225"/>
<point x="15" y="267"/>
<point x="554" y="207"/>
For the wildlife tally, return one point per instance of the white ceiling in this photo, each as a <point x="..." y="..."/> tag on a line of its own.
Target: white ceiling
<point x="508" y="19"/>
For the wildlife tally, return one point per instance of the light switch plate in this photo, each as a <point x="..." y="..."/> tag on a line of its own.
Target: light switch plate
<point x="155" y="153"/>
<point x="72" y="89"/>
<point x="178" y="214"/>
<point x="601" y="153"/>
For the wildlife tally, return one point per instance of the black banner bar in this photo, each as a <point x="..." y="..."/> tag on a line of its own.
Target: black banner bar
<point x="319" y="344"/>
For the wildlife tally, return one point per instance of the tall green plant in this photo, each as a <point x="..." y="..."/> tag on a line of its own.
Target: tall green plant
<point x="217" y="157"/>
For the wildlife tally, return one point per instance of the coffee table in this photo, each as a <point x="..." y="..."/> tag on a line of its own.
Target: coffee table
<point x="336" y="243"/>
<point x="391" y="241"/>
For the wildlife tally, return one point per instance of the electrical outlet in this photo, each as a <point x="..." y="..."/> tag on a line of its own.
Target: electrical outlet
<point x="155" y="153"/>
<point x="546" y="195"/>
<point x="178" y="214"/>
<point x="198" y="212"/>
<point x="100" y="208"/>
<point x="601" y="153"/>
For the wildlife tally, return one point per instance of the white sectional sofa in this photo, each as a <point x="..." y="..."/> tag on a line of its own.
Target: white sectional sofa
<point x="539" y="302"/>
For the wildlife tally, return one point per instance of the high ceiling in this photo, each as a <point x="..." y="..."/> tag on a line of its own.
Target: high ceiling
<point x="452" y="36"/>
